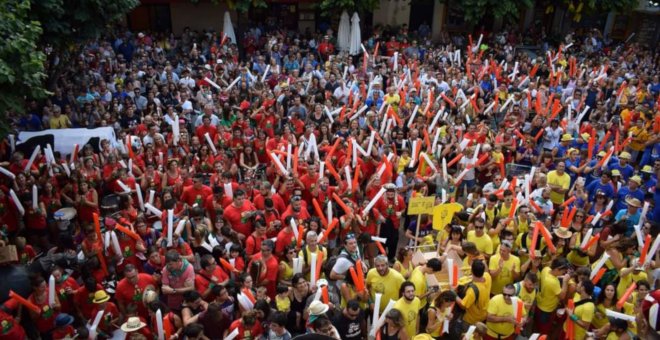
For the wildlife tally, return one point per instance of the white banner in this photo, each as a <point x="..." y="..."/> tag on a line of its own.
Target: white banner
<point x="63" y="140"/>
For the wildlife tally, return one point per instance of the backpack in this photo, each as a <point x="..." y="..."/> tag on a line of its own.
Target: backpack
<point x="330" y="263"/>
<point x="457" y="324"/>
<point x="304" y="251"/>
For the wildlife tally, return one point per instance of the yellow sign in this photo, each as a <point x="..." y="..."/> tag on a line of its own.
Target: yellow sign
<point x="443" y="214"/>
<point x="421" y="205"/>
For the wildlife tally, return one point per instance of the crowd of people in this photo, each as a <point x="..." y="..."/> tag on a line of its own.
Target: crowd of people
<point x="264" y="193"/>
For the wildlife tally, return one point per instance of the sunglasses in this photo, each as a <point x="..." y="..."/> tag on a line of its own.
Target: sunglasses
<point x="478" y="227"/>
<point x="507" y="295"/>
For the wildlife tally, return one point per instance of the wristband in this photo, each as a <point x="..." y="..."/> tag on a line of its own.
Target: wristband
<point x="574" y="317"/>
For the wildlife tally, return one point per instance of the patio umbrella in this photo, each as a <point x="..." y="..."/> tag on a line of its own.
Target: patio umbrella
<point x="228" y="28"/>
<point x="356" y="36"/>
<point x="344" y="33"/>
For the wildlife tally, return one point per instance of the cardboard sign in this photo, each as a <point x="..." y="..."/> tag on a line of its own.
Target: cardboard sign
<point x="8" y="254"/>
<point x="421" y="205"/>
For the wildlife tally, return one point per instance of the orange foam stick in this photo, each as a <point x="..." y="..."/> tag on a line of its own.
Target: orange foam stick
<point x="427" y="140"/>
<point x="598" y="275"/>
<point x="535" y="206"/>
<point x="295" y="160"/>
<point x="394" y="115"/>
<point x="349" y="153"/>
<point x="319" y="212"/>
<point x="360" y="274"/>
<point x="319" y="264"/>
<point x="328" y="231"/>
<point x="590" y="150"/>
<point x="645" y="249"/>
<point x="351" y="270"/>
<point x="481" y="159"/>
<point x="568" y="202"/>
<point x="227" y="266"/>
<point x="604" y="141"/>
<point x="455" y="273"/>
<point x="97" y="225"/>
<point x="520" y="135"/>
<point x="535" y="238"/>
<point x="365" y="56"/>
<point x="538" y="135"/>
<point x="341" y="203"/>
<point x="128" y="147"/>
<point x="592" y="241"/>
<point x="556" y="108"/>
<point x="446" y="99"/>
<point x="502" y="168"/>
<point x="626" y="295"/>
<point x="589" y="219"/>
<point x="514" y="205"/>
<point x="324" y="295"/>
<point x="569" y="325"/>
<point x="602" y="161"/>
<point x="549" y="103"/>
<point x="513" y="184"/>
<point x="23" y="301"/>
<point x="564" y="218"/>
<point x="333" y="172"/>
<point x="128" y="232"/>
<point x="548" y="238"/>
<point x="519" y="315"/>
<point x="249" y="295"/>
<point x="455" y="160"/>
<point x="301" y="232"/>
<point x="333" y="148"/>
<point x="616" y="140"/>
<point x="381" y="249"/>
<point x="625" y="143"/>
<point x="532" y="73"/>
<point x="356" y="179"/>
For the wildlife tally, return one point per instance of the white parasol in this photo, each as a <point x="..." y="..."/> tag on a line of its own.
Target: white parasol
<point x="228" y="28"/>
<point x="344" y="33"/>
<point x="356" y="35"/>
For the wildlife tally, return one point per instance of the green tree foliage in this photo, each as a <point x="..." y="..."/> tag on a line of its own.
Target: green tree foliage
<point x="335" y="7"/>
<point x="239" y="5"/>
<point x="21" y="60"/>
<point x="576" y="8"/>
<point x="475" y="10"/>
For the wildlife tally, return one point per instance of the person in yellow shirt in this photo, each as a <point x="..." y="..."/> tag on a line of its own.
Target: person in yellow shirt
<point x="480" y="238"/>
<point x="551" y="293"/>
<point x="477" y="295"/>
<point x="618" y="330"/>
<point x="409" y="307"/>
<point x="58" y="120"/>
<point x="311" y="246"/>
<point x="383" y="280"/>
<point x="583" y="313"/>
<point x="640" y="136"/>
<point x="559" y="182"/>
<point x="526" y="290"/>
<point x="418" y="277"/>
<point x="439" y="312"/>
<point x="629" y="275"/>
<point x="504" y="268"/>
<point x="392" y="98"/>
<point x="501" y="322"/>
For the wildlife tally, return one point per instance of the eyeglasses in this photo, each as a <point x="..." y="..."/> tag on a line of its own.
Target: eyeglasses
<point x="350" y="236"/>
<point x="507" y="295"/>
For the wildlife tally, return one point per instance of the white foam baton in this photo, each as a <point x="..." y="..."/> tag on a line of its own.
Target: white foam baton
<point x="312" y="273"/>
<point x="138" y="191"/>
<point x="124" y="186"/>
<point x="233" y="83"/>
<point x="587" y="237"/>
<point x="599" y="265"/>
<point x="32" y="158"/>
<point x="617" y="315"/>
<point x="263" y="78"/>
<point x="51" y="291"/>
<point x="95" y="325"/>
<point x="7" y="173"/>
<point x="19" y="206"/>
<point x="374" y="201"/>
<point x="412" y="116"/>
<point x="379" y="323"/>
<point x="211" y="145"/>
<point x="170" y="222"/>
<point x="428" y="161"/>
<point x="232" y="335"/>
<point x="377" y="299"/>
<point x="470" y="331"/>
<point x="35" y="197"/>
<point x="212" y="83"/>
<point x="279" y="164"/>
<point x="653" y="315"/>
<point x="159" y="325"/>
<point x="653" y="250"/>
<point x="179" y="227"/>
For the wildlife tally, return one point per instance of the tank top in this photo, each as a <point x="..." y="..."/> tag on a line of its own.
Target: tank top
<point x="296" y="307"/>
<point x="384" y="334"/>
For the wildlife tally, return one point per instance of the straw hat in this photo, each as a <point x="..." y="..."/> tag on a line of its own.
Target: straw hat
<point x="633" y="202"/>
<point x="647" y="169"/>
<point x="566" y="137"/>
<point x="132" y="324"/>
<point x="616" y="172"/>
<point x="321" y="282"/>
<point x="636" y="179"/>
<point x="101" y="296"/>
<point x="602" y="154"/>
<point x="318" y="308"/>
<point x="563" y="232"/>
<point x="624" y="155"/>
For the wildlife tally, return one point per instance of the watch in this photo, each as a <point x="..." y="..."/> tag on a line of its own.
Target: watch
<point x="174" y="290"/>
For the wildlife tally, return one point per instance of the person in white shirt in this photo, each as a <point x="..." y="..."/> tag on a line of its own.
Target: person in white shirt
<point x="552" y="135"/>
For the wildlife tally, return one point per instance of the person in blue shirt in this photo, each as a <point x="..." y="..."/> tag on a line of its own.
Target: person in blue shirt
<point x="631" y="190"/>
<point x="651" y="154"/>
<point x="622" y="165"/>
<point x="573" y="167"/>
<point x="592" y="172"/>
<point x="561" y="151"/>
<point x="604" y="185"/>
<point x="648" y="182"/>
<point x="630" y="215"/>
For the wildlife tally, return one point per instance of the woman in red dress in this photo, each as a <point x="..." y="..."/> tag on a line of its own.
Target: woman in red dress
<point x="88" y="202"/>
<point x="172" y="175"/>
<point x="91" y="173"/>
<point x="44" y="321"/>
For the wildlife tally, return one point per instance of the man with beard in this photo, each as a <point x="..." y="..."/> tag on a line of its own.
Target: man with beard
<point x="409" y="306"/>
<point x="383" y="280"/>
<point x="296" y="210"/>
<point x="196" y="193"/>
<point x="392" y="208"/>
<point x="268" y="267"/>
<point x="350" y="323"/>
<point x="346" y="259"/>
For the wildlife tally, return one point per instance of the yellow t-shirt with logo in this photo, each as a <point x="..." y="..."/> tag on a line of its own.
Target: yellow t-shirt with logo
<point x="548" y="297"/>
<point x="527" y="298"/>
<point x="505" y="276"/>
<point x="585" y="312"/>
<point x="419" y="280"/>
<point x="484" y="243"/>
<point x="476" y="311"/>
<point x="410" y="312"/>
<point x="498" y="307"/>
<point x="626" y="281"/>
<point x="562" y="181"/>
<point x="387" y="285"/>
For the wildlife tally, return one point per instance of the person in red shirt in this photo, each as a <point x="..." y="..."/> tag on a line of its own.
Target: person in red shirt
<point x="65" y="287"/>
<point x="205" y="128"/>
<point x="391" y="206"/>
<point x="83" y="298"/>
<point x="35" y="221"/>
<point x="88" y="202"/>
<point x="63" y="328"/>
<point x="130" y="289"/>
<point x="111" y="316"/>
<point x="285" y="237"/>
<point x="247" y="325"/>
<point x="196" y="193"/>
<point x="208" y="277"/>
<point x="269" y="267"/>
<point x="297" y="210"/>
<point x="326" y="48"/>
<point x="44" y="321"/>
<point x="11" y="328"/>
<point x="239" y="214"/>
<point x="265" y="191"/>
<point x="253" y="241"/>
